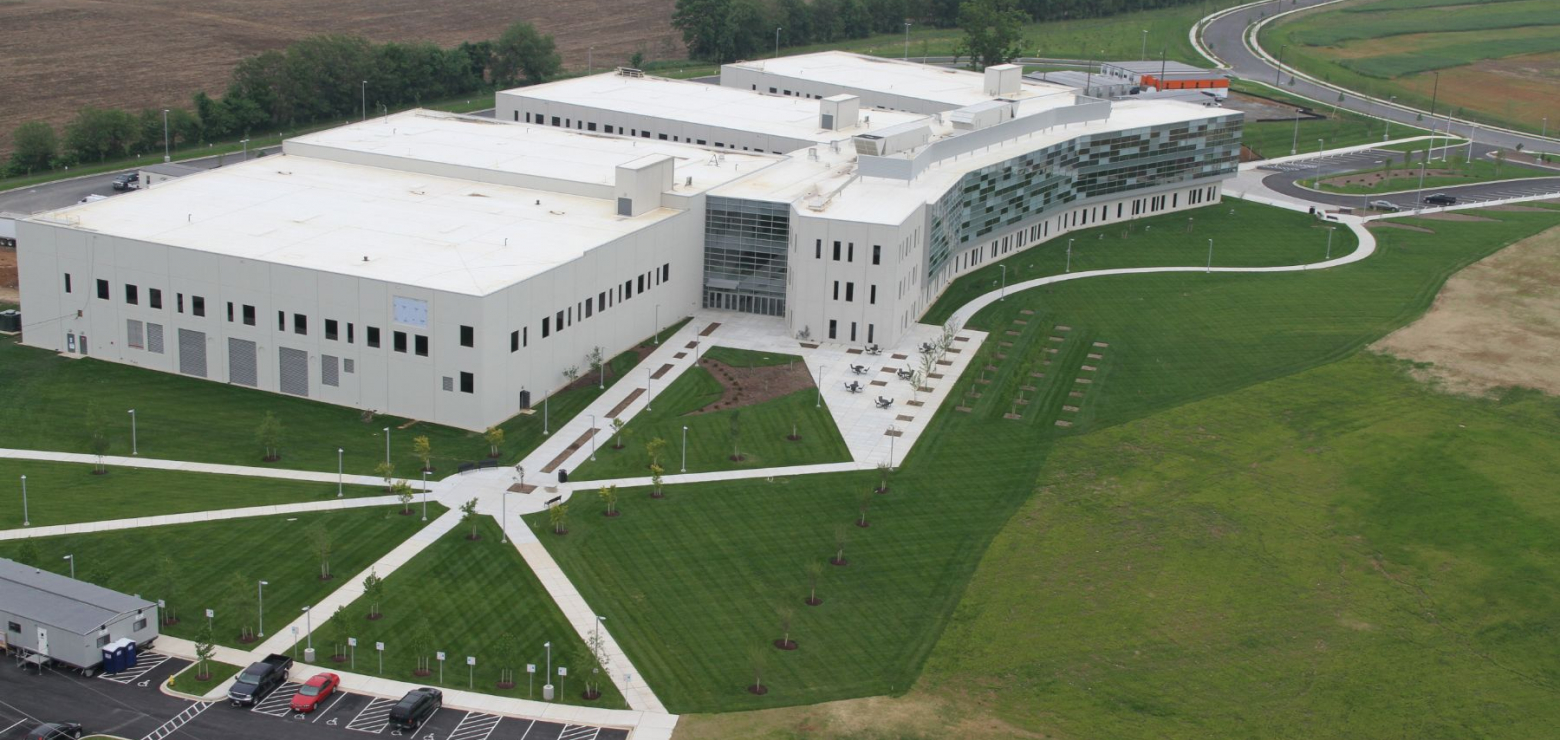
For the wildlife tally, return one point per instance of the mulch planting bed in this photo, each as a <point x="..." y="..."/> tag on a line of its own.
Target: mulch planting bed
<point x="746" y="386"/>
<point x="618" y="409"/>
<point x="708" y="330"/>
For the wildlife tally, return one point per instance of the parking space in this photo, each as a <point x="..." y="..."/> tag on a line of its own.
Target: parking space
<point x="13" y="721"/>
<point x="475" y="726"/>
<point x="374" y="717"/>
<point x="279" y="702"/>
<point x="147" y="664"/>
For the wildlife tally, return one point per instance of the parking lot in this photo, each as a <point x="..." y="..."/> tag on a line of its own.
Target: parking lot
<point x="130" y="705"/>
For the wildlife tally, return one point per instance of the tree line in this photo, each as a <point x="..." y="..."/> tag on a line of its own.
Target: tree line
<point x="320" y="78"/>
<point x="727" y="30"/>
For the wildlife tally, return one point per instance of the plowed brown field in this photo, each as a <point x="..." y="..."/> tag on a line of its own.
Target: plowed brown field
<point x="59" y="55"/>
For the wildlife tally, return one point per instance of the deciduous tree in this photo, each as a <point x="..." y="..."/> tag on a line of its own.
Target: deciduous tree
<point x="993" y="32"/>
<point x="34" y="145"/>
<point x="524" y="54"/>
<point x="269" y="437"/>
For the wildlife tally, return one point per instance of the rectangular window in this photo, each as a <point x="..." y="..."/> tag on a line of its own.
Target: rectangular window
<point x="13" y="627"/>
<point x="601" y="301"/>
<point x="102" y="286"/>
<point x="872" y="294"/>
<point x="132" y="295"/>
<point x="67" y="290"/>
<point x="372" y="339"/>
<point x="836" y="251"/>
<point x="468" y="383"/>
<point x="230" y="311"/>
<point x="833" y="328"/>
<point x="197" y="305"/>
<point x="628" y="289"/>
<point x="850" y="292"/>
<point x="852" y="331"/>
<point x="589" y="309"/>
<point x="558" y="322"/>
<point x="422" y="345"/>
<point x="666" y="272"/>
<point x="350" y="332"/>
<point x="281" y="320"/>
<point x="332" y="329"/>
<point x="850" y="252"/>
<point x="836" y="290"/>
<point x="398" y="342"/>
<point x="514" y="341"/>
<point x="102" y="640"/>
<point x="546" y="327"/>
<point x="300" y="324"/>
<point x="818" y="249"/>
<point x="156" y="298"/>
<point x="641" y="283"/>
<point x="468" y="336"/>
<point x="877" y="254"/>
<point x="525" y="336"/>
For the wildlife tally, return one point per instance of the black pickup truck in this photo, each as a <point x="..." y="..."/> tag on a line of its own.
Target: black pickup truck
<point x="259" y="679"/>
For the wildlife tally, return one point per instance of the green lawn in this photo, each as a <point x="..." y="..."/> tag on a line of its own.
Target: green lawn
<point x="467" y="595"/>
<point x="1337" y="129"/>
<point x="763" y="428"/>
<point x="1345" y="552"/>
<point x="216" y="565"/>
<point x="186" y="682"/>
<point x="65" y="493"/>
<point x="1254" y="235"/>
<point x="1390" y="49"/>
<point x="1455" y="171"/>
<point x="48" y="400"/>
<point x="692" y="582"/>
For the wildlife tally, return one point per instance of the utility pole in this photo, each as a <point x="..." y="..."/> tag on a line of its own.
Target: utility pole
<point x="777" y="42"/>
<point x="1294" y="143"/>
<point x="1143" y="55"/>
<point x="1386" y="132"/>
<point x="364" y="92"/>
<point x="907" y="40"/>
<point x="166" y="156"/>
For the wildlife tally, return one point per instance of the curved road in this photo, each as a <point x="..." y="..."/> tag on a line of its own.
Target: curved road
<point x="1225" y="37"/>
<point x="1287" y="176"/>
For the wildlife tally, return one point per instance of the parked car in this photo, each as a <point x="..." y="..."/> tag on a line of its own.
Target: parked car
<point x="415" y="708"/>
<point x="259" y="679"/>
<point x="1385" y="205"/>
<point x="55" y="731"/>
<point x="1441" y="199"/>
<point x="128" y="181"/>
<point x="314" y="691"/>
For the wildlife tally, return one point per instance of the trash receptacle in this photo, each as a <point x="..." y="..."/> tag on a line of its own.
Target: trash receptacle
<point x="563" y="475"/>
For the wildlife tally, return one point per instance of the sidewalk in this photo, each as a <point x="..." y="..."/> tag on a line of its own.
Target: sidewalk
<point x="334" y="504"/>
<point x="115" y="461"/>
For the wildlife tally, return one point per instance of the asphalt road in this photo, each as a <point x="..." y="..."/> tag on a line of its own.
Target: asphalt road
<point x="1286" y="176"/>
<point x="61" y="193"/>
<point x="135" y="708"/>
<point x="1224" y="37"/>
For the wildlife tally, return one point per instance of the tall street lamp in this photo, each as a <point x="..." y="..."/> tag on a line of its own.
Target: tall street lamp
<point x="387" y="445"/>
<point x="1069" y="255"/>
<point x="245" y="142"/>
<point x="364" y="93"/>
<point x="592" y="437"/>
<point x="72" y="559"/>
<point x="777" y="42"/>
<point x="1209" y="269"/>
<point x="590" y="61"/>
<point x="308" y="627"/>
<point x="1002" y="296"/>
<point x="1294" y="143"/>
<point x="425" y="494"/>
<point x="166" y="156"/>
<point x="819" y="404"/>
<point x="1143" y="55"/>
<point x="684" y="450"/>
<point x="907" y="40"/>
<point x="658" y="324"/>
<point x="1386" y="131"/>
<point x="260" y="589"/>
<point x="339" y="453"/>
<point x="134" y="450"/>
<point x="649" y="387"/>
<point x="1280" y="67"/>
<point x="27" y="521"/>
<point x="1330" y="231"/>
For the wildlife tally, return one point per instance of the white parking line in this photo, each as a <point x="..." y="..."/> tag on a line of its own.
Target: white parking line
<point x="145" y="663"/>
<point x="579" y="732"/>
<point x="475" y="726"/>
<point x="374" y="717"/>
<point x="8" y="729"/>
<point x="279" y="703"/>
<point x="527" y="730"/>
<point x="179" y="720"/>
<point x="318" y="713"/>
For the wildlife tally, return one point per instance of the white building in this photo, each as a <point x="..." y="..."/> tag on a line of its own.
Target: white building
<point x="441" y="267"/>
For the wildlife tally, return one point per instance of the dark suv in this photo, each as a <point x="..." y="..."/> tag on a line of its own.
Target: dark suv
<point x="415" y="708"/>
<point x="128" y="181"/>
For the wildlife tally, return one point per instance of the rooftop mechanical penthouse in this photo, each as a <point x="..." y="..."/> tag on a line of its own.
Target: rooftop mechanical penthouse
<point x="450" y="268"/>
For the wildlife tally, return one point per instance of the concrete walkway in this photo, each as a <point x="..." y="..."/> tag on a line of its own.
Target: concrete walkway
<point x="115" y="461"/>
<point x="163" y="520"/>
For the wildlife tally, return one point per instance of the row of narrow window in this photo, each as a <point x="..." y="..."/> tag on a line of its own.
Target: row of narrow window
<point x="587" y="308"/>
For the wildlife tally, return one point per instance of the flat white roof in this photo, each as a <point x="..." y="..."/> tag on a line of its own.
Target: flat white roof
<point x="705" y="105"/>
<point x="415" y="229"/>
<point x="527" y="149"/>
<point x="830" y="181"/>
<point x="954" y="87"/>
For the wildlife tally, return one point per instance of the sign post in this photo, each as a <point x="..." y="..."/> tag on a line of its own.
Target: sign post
<point x="380" y="648"/>
<point x="562" y="673"/>
<point x="440" y="655"/>
<point x="471" y="672"/>
<point x="530" y="680"/>
<point x="352" y="645"/>
<point x="210" y="614"/>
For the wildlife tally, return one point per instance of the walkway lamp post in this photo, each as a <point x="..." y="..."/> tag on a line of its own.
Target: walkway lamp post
<point x="1294" y="142"/>
<point x="592" y="437"/>
<point x="1069" y="255"/>
<point x="1002" y="296"/>
<point x="245" y="142"/>
<point x="1386" y="132"/>
<point x="72" y="559"/>
<point x="1544" y="131"/>
<point x="590" y="61"/>
<point x="907" y="40"/>
<point x="425" y="494"/>
<point x="308" y="628"/>
<point x="166" y="155"/>
<point x="364" y="93"/>
<point x="658" y="324"/>
<point x="261" y="598"/>
<point x="1209" y="269"/>
<point x="1316" y="181"/>
<point x="1279" y="68"/>
<point x="684" y="450"/>
<point x="1330" y="231"/>
<point x="27" y="521"/>
<point x="1420" y="196"/>
<point x="545" y="396"/>
<point x="649" y="387"/>
<point x="819" y="404"/>
<point x="387" y="445"/>
<point x="547" y="687"/>
<point x="1143" y="55"/>
<point x="134" y="450"/>
<point x="339" y="475"/>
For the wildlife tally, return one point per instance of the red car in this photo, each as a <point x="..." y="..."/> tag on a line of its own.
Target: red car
<point x="319" y="687"/>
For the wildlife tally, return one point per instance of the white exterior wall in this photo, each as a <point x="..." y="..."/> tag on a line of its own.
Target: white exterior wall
<point x="744" y="78"/>
<point x="814" y="273"/>
<point x="402" y="384"/>
<point x="512" y="107"/>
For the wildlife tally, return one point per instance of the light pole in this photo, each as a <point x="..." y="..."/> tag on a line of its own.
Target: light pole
<point x="308" y="627"/>
<point x="1435" y="93"/>
<point x="387" y="445"/>
<point x="1420" y="196"/>
<point x="777" y="43"/>
<point x="1209" y="269"/>
<point x="1386" y="132"/>
<point x="658" y="324"/>
<point x="545" y="396"/>
<point x="1143" y="55"/>
<point x="1294" y="143"/>
<point x="134" y="450"/>
<point x="1330" y="231"/>
<point x="339" y="453"/>
<point x="1280" y="67"/>
<point x="1544" y="131"/>
<point x="684" y="452"/>
<point x="245" y="142"/>
<point x="1316" y="180"/>
<point x="590" y="61"/>
<point x="907" y="40"/>
<point x="166" y="157"/>
<point x="72" y="559"/>
<point x="649" y="387"/>
<point x="261" y="599"/>
<point x="1069" y="255"/>
<point x="425" y="494"/>
<point x="548" y="645"/>
<point x="364" y="93"/>
<point x="27" y="521"/>
<point x="1002" y="295"/>
<point x="592" y="437"/>
<point x="819" y="404"/>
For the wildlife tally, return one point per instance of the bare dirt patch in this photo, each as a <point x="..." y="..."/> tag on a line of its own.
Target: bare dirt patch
<point x="1520" y="88"/>
<point x="917" y="714"/>
<point x="748" y="386"/>
<point x="60" y="55"/>
<point x="1495" y="324"/>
